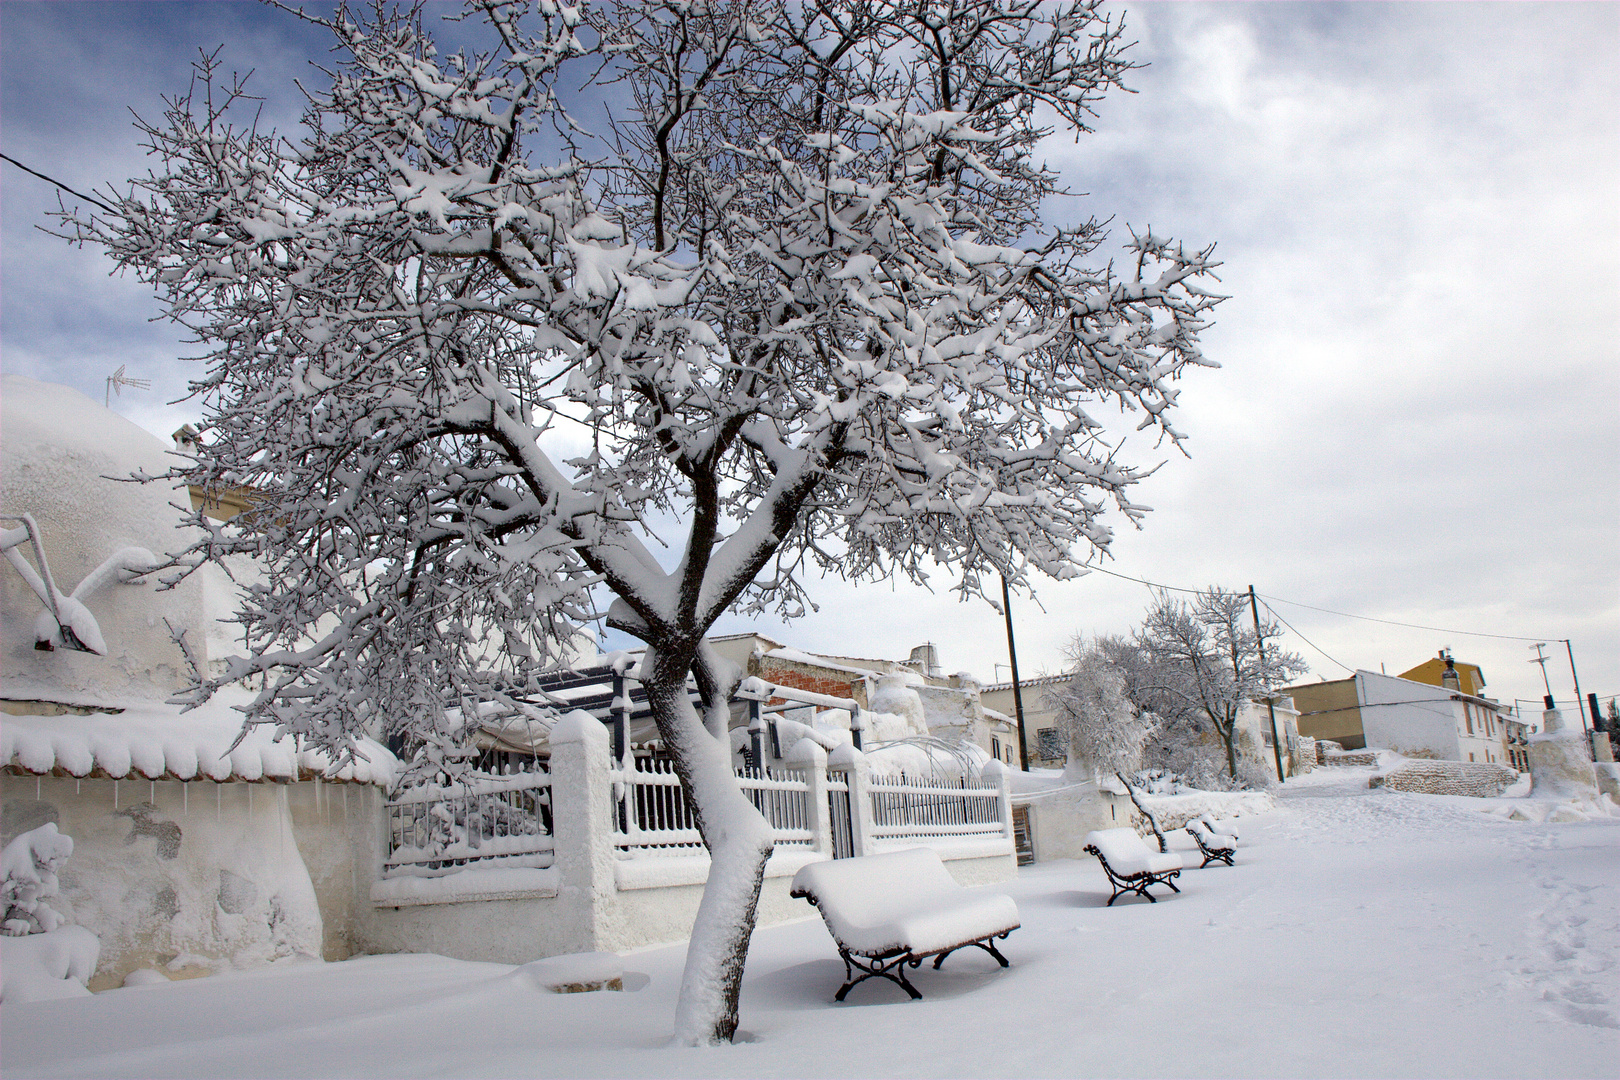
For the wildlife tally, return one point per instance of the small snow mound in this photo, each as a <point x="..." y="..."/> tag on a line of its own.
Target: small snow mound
<point x="145" y="977"/>
<point x="574" y="973"/>
<point x="44" y="967"/>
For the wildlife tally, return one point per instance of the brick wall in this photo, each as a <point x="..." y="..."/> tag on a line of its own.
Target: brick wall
<point x="788" y="673"/>
<point x="1480" y="780"/>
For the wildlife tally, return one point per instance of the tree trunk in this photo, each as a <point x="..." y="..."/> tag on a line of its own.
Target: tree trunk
<point x="739" y="840"/>
<point x="1229" y="737"/>
<point x="1164" y="845"/>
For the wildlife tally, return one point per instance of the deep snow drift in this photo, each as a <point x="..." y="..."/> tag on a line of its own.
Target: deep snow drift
<point x="1361" y="933"/>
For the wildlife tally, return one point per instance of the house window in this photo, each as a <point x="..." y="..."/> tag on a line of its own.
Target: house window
<point x="995" y="748"/>
<point x="1049" y="742"/>
<point x="1468" y="718"/>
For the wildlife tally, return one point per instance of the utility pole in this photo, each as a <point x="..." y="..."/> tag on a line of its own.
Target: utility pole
<point x="1271" y="706"/>
<point x="1579" y="711"/>
<point x="1018" y="693"/>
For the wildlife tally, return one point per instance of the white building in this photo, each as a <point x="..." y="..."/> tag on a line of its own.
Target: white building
<point x="1413" y="718"/>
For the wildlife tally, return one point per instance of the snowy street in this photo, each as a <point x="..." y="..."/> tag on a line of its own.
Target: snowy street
<point x="1360" y="934"/>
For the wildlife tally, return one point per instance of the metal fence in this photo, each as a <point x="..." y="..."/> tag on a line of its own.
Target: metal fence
<point x="655" y="814"/>
<point x="485" y="820"/>
<point x="905" y="807"/>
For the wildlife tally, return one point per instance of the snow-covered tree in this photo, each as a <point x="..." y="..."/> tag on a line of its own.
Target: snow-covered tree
<point x="1205" y="655"/>
<point x="1106" y="731"/>
<point x="789" y="307"/>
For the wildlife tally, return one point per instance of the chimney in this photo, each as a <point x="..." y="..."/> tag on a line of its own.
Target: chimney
<point x="1449" y="678"/>
<point x="926" y="659"/>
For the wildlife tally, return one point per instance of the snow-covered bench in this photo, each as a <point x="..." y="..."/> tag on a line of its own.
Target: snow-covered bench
<point x="1213" y="843"/>
<point x="886" y="911"/>
<point x="1130" y="864"/>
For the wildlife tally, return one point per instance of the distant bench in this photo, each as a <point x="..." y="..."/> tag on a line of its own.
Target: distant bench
<point x="887" y="911"/>
<point x="1130" y="865"/>
<point x="1212" y="843"/>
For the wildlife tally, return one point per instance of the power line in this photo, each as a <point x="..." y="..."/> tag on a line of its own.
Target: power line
<point x="1328" y="611"/>
<point x="1139" y="581"/>
<point x="1413" y="626"/>
<point x="1307" y="640"/>
<point x="58" y="183"/>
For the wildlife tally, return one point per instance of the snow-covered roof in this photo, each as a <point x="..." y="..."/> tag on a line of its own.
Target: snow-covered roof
<point x="153" y="741"/>
<point x="1039" y="680"/>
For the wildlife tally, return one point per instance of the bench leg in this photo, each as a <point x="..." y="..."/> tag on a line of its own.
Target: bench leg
<point x="893" y="970"/>
<point x="988" y="945"/>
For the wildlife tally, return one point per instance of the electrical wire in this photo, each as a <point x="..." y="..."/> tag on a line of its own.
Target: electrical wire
<point x="1413" y="626"/>
<point x="1326" y="611"/>
<point x="1140" y="581"/>
<point x="1305" y="639"/>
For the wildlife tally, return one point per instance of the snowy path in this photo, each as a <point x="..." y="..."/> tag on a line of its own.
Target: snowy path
<point x="1361" y="934"/>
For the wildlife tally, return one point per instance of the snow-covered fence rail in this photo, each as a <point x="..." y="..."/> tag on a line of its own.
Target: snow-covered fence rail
<point x="487" y="820"/>
<point x="654" y="813"/>
<point x="905" y="807"/>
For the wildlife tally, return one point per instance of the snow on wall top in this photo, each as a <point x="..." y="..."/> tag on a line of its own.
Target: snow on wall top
<point x="153" y="741"/>
<point x="57" y="450"/>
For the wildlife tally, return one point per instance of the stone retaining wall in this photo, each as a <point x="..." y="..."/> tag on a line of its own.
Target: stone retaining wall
<point x="1477" y="779"/>
<point x="1351" y="757"/>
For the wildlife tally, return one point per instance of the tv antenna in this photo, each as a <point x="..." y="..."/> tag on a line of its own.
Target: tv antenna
<point x="118" y="380"/>
<point x="1542" y="660"/>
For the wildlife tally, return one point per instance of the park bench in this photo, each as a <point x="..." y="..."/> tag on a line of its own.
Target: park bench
<point x="1130" y="865"/>
<point x="887" y="911"/>
<point x="1212" y="843"/>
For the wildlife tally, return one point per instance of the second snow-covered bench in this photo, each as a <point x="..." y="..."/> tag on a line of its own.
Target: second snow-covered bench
<point x="1130" y="864"/>
<point x="1212" y="843"/>
<point x="887" y="911"/>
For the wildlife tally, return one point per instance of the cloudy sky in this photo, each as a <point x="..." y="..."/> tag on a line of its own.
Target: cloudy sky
<point x="1417" y="418"/>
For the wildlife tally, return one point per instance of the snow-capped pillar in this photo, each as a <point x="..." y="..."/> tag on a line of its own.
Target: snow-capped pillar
<point x="813" y="760"/>
<point x="582" y="816"/>
<point x="857" y="774"/>
<point x="994" y="772"/>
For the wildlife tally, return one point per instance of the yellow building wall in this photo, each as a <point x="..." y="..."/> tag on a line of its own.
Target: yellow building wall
<point x="1469" y="678"/>
<point x="1329" y="710"/>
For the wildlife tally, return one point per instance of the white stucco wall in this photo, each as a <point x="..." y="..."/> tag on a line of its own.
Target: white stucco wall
<point x="195" y="878"/>
<point x="1406" y="716"/>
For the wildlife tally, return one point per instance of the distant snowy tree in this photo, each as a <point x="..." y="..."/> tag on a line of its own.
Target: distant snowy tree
<point x="1204" y="655"/>
<point x="794" y="295"/>
<point x="1106" y="732"/>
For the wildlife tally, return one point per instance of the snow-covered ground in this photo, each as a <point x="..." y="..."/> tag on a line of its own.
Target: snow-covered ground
<point x="1360" y="934"/>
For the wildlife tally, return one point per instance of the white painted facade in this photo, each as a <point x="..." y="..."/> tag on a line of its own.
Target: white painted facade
<point x="1407" y="717"/>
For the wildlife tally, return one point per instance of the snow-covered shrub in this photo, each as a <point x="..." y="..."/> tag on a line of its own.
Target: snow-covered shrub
<point x="29" y="864"/>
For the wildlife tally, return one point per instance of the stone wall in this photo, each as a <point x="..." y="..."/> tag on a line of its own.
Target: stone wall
<point x="1450" y="778"/>
<point x="1351" y="757"/>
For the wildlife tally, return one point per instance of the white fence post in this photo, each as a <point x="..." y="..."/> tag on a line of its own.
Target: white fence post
<point x="857" y="773"/>
<point x="582" y="823"/>
<point x="810" y="757"/>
